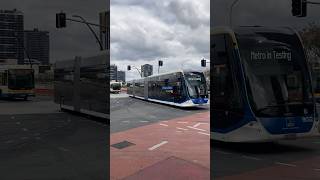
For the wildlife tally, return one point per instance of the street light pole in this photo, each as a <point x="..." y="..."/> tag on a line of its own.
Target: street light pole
<point x="129" y="68"/>
<point x="24" y="49"/>
<point x="93" y="32"/>
<point x="231" y="11"/>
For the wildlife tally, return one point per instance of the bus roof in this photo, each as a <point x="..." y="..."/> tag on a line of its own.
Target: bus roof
<point x="242" y="30"/>
<point x="166" y="73"/>
<point x="6" y="67"/>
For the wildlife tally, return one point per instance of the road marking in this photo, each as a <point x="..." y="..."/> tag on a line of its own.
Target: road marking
<point x="144" y="121"/>
<point x="24" y="129"/>
<point x="204" y="133"/>
<point x="182" y="122"/>
<point x="157" y="145"/>
<point x="163" y="124"/>
<point x="196" y="128"/>
<point x="126" y="121"/>
<point x="285" y="164"/>
<point x="18" y="123"/>
<point x="223" y="152"/>
<point x="198" y="124"/>
<point x="182" y="129"/>
<point x="316" y="169"/>
<point x="250" y="157"/>
<point x="10" y="141"/>
<point x="63" y="149"/>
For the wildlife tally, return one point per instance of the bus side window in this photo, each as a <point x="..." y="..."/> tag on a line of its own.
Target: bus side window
<point x="225" y="95"/>
<point x="235" y="103"/>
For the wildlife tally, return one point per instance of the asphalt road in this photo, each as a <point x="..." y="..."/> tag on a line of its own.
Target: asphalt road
<point x="229" y="159"/>
<point x="128" y="112"/>
<point x="37" y="141"/>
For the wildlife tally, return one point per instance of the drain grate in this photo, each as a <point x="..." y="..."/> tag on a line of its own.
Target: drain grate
<point x="122" y="144"/>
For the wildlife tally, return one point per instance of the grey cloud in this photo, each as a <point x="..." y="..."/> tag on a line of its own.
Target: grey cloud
<point x="253" y="12"/>
<point x="76" y="39"/>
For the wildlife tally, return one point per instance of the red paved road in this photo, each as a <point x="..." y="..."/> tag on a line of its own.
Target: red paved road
<point x="173" y="149"/>
<point x="300" y="170"/>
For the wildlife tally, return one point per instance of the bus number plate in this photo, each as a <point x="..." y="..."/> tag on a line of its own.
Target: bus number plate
<point x="290" y="136"/>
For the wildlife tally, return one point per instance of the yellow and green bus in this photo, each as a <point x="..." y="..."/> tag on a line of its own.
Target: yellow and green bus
<point x="17" y="82"/>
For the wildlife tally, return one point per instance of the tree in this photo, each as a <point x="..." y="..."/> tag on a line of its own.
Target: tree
<point x="311" y="38"/>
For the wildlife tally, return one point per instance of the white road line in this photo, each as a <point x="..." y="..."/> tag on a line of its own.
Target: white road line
<point x="250" y="157"/>
<point x="125" y="121"/>
<point x="285" y="164"/>
<point x="204" y="133"/>
<point x="196" y="128"/>
<point x="198" y="124"/>
<point x="317" y="169"/>
<point x="144" y="121"/>
<point x="182" y="122"/>
<point x="63" y="149"/>
<point x="163" y="124"/>
<point x="182" y="129"/>
<point x="223" y="152"/>
<point x="157" y="145"/>
<point x="9" y="141"/>
<point x="24" y="129"/>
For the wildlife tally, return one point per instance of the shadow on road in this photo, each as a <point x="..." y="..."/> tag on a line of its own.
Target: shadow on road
<point x="259" y="148"/>
<point x="196" y="108"/>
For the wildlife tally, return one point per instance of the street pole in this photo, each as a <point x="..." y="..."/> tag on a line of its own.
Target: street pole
<point x="93" y="32"/>
<point x="231" y="11"/>
<point x="24" y="49"/>
<point x="138" y="70"/>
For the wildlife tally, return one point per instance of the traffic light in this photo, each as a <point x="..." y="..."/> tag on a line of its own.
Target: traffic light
<point x="160" y="63"/>
<point x="299" y="8"/>
<point x="103" y="21"/>
<point x="129" y="68"/>
<point x="61" y="20"/>
<point x="203" y="63"/>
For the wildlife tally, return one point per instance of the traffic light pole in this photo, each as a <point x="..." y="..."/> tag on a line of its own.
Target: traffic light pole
<point x="90" y="28"/>
<point x="310" y="2"/>
<point x="137" y="70"/>
<point x="231" y="12"/>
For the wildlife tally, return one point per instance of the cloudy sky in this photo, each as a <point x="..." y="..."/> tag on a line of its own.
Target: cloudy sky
<point x="76" y="39"/>
<point x="145" y="31"/>
<point x="261" y="12"/>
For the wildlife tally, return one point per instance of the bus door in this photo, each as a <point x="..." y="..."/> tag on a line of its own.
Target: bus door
<point x="225" y="98"/>
<point x="146" y="87"/>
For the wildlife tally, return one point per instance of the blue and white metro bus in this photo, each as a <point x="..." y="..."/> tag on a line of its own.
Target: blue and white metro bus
<point x="261" y="86"/>
<point x="181" y="88"/>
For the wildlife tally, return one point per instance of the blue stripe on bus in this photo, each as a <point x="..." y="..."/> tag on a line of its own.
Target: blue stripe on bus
<point x="200" y="100"/>
<point x="285" y="125"/>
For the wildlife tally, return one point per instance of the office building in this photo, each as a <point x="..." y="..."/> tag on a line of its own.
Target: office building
<point x="121" y="76"/>
<point x="146" y="70"/>
<point x="113" y="72"/>
<point x="11" y="37"/>
<point x="36" y="45"/>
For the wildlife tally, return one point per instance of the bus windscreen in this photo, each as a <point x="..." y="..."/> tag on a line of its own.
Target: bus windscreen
<point x="20" y="79"/>
<point x="276" y="73"/>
